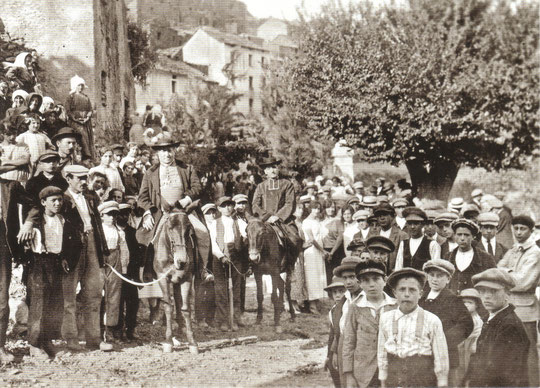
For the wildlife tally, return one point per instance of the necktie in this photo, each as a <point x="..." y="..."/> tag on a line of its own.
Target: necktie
<point x="490" y="248"/>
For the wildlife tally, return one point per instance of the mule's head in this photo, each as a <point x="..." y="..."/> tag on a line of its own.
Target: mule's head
<point x="255" y="233"/>
<point x="177" y="229"/>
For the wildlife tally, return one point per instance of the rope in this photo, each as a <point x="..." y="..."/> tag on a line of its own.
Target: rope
<point x="137" y="283"/>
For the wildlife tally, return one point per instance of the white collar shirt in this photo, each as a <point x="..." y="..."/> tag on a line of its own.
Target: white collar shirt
<point x="464" y="259"/>
<point x="82" y="207"/>
<point x="362" y="301"/>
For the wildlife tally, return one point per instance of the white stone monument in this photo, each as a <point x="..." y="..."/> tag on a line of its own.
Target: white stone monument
<point x="343" y="160"/>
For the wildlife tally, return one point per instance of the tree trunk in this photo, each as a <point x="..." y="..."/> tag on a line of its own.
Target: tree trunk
<point x="433" y="180"/>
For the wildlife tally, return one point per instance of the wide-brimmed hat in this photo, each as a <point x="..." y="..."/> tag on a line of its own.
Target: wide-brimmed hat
<point x="406" y="272"/>
<point x="66" y="132"/>
<point x="369" y="201"/>
<point x="159" y="140"/>
<point x="269" y="162"/>
<point x="336" y="283"/>
<point x="347" y="264"/>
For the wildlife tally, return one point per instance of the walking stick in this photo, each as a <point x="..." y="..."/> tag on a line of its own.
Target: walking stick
<point x="231" y="307"/>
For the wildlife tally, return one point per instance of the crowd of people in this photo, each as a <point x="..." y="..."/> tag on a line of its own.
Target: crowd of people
<point x="425" y="293"/>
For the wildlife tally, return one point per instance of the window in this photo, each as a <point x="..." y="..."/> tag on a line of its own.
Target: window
<point x="173" y="84"/>
<point x="251" y="105"/>
<point x="103" y="88"/>
<point x="158" y="35"/>
<point x="233" y="56"/>
<point x="250" y="60"/>
<point x="250" y="83"/>
<point x="263" y="81"/>
<point x="262" y="61"/>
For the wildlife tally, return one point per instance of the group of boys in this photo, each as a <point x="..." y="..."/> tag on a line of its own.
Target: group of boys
<point x="473" y="322"/>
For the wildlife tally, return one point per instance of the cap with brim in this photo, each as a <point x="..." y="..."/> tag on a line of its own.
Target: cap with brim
<point x="108" y="207"/>
<point x="470" y="293"/>
<point x="347" y="264"/>
<point x="66" y="132"/>
<point x="476" y="193"/>
<point x="224" y="201"/>
<point x="384" y="208"/>
<point x="470" y="208"/>
<point x="414" y="214"/>
<point x="369" y="201"/>
<point x="207" y="207"/>
<point x="372" y="219"/>
<point x="446" y="217"/>
<point x="465" y="223"/>
<point x="456" y="203"/>
<point x="269" y="162"/>
<point x="360" y="215"/>
<point x="442" y="265"/>
<point x="491" y="219"/>
<point x="491" y="202"/>
<point x="405" y="273"/>
<point x="124" y="206"/>
<point x="382" y="198"/>
<point x="304" y="199"/>
<point x="353" y="200"/>
<point x="370" y="266"/>
<point x="523" y="220"/>
<point x="310" y="185"/>
<point x="495" y="278"/>
<point x="358" y="185"/>
<point x="337" y="282"/>
<point x="356" y="243"/>
<point x="400" y="202"/>
<point x="117" y="147"/>
<point x="48" y="156"/>
<point x="75" y="170"/>
<point x="381" y="242"/>
<point x="49" y="191"/>
<point x="432" y="215"/>
<point x="240" y="198"/>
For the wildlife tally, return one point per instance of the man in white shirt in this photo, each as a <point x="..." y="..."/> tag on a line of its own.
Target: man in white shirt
<point x="488" y="223"/>
<point x="445" y="234"/>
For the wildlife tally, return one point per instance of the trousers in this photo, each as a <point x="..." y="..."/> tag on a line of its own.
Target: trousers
<point x="46" y="301"/>
<point x="129" y="307"/>
<point x="414" y="371"/>
<point x="5" y="280"/>
<point x="113" y="288"/>
<point x="88" y="273"/>
<point x="532" y="360"/>
<point x="221" y="278"/>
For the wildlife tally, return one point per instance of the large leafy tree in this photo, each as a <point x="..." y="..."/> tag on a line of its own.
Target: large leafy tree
<point x="143" y="56"/>
<point x="432" y="84"/>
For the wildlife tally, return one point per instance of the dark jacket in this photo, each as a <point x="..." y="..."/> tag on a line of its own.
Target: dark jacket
<point x="135" y="254"/>
<point x="32" y="209"/>
<point x="280" y="202"/>
<point x="500" y="250"/>
<point x="12" y="194"/>
<point x="150" y="195"/>
<point x="480" y="262"/>
<point x="71" y="213"/>
<point x="501" y="353"/>
<point x="456" y="320"/>
<point x="397" y="236"/>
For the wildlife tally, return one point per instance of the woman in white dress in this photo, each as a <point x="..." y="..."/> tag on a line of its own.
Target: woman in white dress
<point x="314" y="257"/>
<point x="332" y="232"/>
<point x="350" y="226"/>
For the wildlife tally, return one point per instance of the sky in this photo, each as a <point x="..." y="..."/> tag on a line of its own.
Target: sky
<point x="280" y="8"/>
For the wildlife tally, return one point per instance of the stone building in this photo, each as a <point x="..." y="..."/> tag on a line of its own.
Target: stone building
<point x="83" y="37"/>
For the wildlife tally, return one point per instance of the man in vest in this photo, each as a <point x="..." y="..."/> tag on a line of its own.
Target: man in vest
<point x="227" y="241"/>
<point x="274" y="203"/>
<point x="168" y="185"/>
<point x="416" y="250"/>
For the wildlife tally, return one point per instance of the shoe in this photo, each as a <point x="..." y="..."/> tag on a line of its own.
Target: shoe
<point x="49" y="348"/>
<point x="224" y="327"/>
<point x="73" y="345"/>
<point x="203" y="325"/>
<point x="234" y="327"/>
<point x="106" y="346"/>
<point x="207" y="277"/>
<point x="130" y="336"/>
<point x="6" y="357"/>
<point x="240" y="321"/>
<point x="38" y="353"/>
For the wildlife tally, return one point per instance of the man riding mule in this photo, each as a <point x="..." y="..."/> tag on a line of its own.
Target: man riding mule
<point x="274" y="203"/>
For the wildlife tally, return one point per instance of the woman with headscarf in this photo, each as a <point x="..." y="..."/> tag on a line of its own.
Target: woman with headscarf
<point x="19" y="105"/>
<point x="79" y="112"/>
<point x="46" y="105"/>
<point x="21" y="72"/>
<point x="155" y="119"/>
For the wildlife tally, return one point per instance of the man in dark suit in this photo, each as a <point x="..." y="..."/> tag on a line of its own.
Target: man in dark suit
<point x="502" y="348"/>
<point x="445" y="234"/>
<point x="468" y="259"/>
<point x="385" y="215"/>
<point x="167" y="185"/>
<point x="488" y="223"/>
<point x="80" y="207"/>
<point x="456" y="320"/>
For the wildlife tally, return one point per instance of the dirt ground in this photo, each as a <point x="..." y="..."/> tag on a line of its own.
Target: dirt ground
<point x="291" y="359"/>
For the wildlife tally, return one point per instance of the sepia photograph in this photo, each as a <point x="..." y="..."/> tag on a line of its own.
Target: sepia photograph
<point x="285" y="193"/>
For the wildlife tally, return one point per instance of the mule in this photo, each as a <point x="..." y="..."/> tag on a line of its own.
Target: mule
<point x="266" y="255"/>
<point x="174" y="255"/>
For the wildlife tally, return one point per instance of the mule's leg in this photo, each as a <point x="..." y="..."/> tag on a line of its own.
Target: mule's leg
<point x="178" y="307"/>
<point x="288" y="294"/>
<point x="167" y="306"/>
<point x="185" y="308"/>
<point x="277" y="300"/>
<point x="260" y="296"/>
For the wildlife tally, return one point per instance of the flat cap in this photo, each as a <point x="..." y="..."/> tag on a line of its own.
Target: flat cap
<point x="431" y="214"/>
<point x="441" y="265"/>
<point x="304" y="199"/>
<point x="352" y="199"/>
<point x="358" y="185"/>
<point x="48" y="155"/>
<point x="446" y="217"/>
<point x="369" y="201"/>
<point x="488" y="218"/>
<point x="360" y="215"/>
<point x="50" y="191"/>
<point x="495" y="278"/>
<point x="370" y="266"/>
<point x="477" y="193"/>
<point x="400" y="202"/>
<point x="491" y="202"/>
<point x="470" y="293"/>
<point x="414" y="214"/>
<point x="523" y="219"/>
<point x="240" y="198"/>
<point x="406" y="273"/>
<point x="356" y="243"/>
<point x="223" y="201"/>
<point x="117" y="147"/>
<point x="470" y="208"/>
<point x="336" y="283"/>
<point x="66" y="132"/>
<point x="384" y="208"/>
<point x="207" y="207"/>
<point x="456" y="203"/>
<point x="465" y="223"/>
<point x="347" y="264"/>
<point x="380" y="242"/>
<point x="382" y="198"/>
<point x="75" y="170"/>
<point x="310" y="185"/>
<point x="108" y="206"/>
<point x="124" y="206"/>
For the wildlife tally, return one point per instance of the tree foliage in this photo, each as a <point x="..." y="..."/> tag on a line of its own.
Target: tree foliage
<point x="432" y="84"/>
<point x="143" y="57"/>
